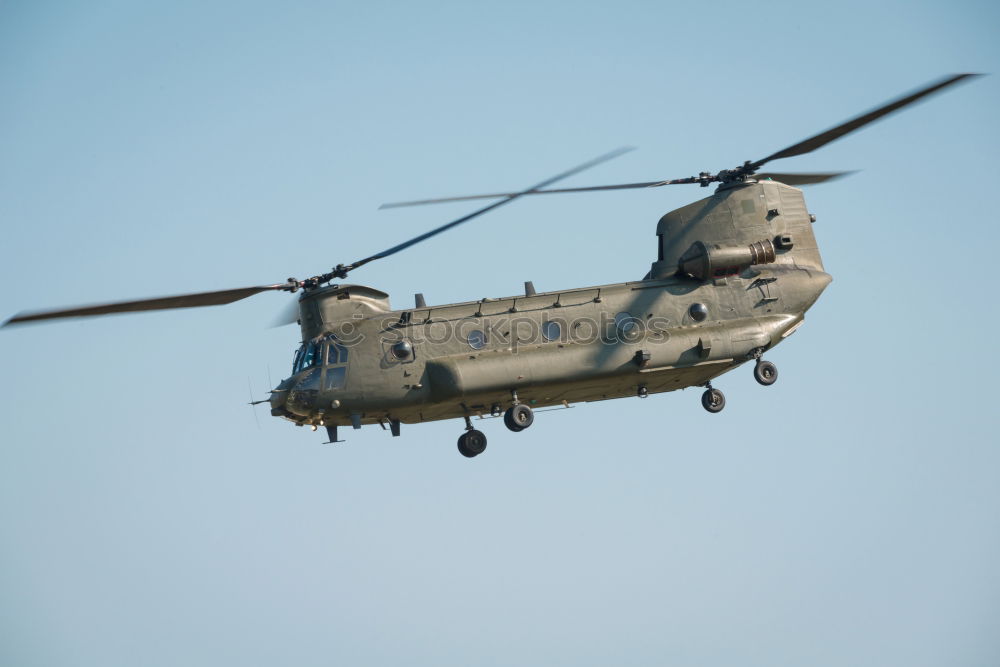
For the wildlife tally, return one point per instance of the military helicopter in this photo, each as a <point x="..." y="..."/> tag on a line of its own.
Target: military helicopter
<point x="734" y="276"/>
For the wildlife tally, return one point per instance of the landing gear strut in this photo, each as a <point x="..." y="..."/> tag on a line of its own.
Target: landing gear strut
<point x="472" y="442"/>
<point x="713" y="400"/>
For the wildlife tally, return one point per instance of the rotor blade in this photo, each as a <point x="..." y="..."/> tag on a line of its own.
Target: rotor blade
<point x="623" y="186"/>
<point x="289" y="314"/>
<point x="835" y="133"/>
<point x="216" y="298"/>
<point x="507" y="199"/>
<point x="803" y="179"/>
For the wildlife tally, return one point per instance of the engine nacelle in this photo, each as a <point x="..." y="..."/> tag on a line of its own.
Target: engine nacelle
<point x="705" y="262"/>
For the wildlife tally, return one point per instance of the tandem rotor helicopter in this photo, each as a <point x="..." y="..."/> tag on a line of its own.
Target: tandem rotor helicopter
<point x="733" y="277"/>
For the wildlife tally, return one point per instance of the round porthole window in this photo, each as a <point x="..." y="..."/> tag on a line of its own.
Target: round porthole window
<point x="402" y="350"/>
<point x="477" y="339"/>
<point x="699" y="311"/>
<point x="551" y="330"/>
<point x="627" y="327"/>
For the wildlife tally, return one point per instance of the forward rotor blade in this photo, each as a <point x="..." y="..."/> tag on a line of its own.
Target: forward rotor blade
<point x="507" y="199"/>
<point x="803" y="179"/>
<point x="217" y="298"/>
<point x="289" y="314"/>
<point x="834" y="133"/>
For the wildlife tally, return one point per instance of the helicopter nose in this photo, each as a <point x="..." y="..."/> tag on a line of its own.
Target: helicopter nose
<point x="279" y="398"/>
<point x="299" y="394"/>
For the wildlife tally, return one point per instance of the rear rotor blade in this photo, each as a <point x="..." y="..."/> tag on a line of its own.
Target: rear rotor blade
<point x="216" y="298"/>
<point x="803" y="179"/>
<point x="834" y="133"/>
<point x="748" y="168"/>
<point x="495" y="195"/>
<point x="465" y="218"/>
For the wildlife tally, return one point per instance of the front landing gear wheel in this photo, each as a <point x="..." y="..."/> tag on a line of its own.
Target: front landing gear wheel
<point x="471" y="443"/>
<point x="519" y="417"/>
<point x="765" y="373"/>
<point x="713" y="400"/>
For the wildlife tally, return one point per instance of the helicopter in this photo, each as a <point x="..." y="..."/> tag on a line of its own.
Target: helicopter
<point x="733" y="277"/>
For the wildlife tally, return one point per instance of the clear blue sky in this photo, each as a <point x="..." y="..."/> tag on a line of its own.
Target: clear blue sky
<point x="848" y="515"/>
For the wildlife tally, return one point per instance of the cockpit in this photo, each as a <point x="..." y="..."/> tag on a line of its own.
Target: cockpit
<point x="314" y="352"/>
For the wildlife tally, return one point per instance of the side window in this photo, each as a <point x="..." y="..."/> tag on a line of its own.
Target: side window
<point x="477" y="339"/>
<point x="551" y="330"/>
<point x="627" y="328"/>
<point x="297" y="361"/>
<point x="335" y="377"/>
<point x="336" y="354"/>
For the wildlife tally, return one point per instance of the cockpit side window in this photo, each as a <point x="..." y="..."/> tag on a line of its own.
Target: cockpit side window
<point x="336" y="353"/>
<point x="335" y="375"/>
<point x="332" y="355"/>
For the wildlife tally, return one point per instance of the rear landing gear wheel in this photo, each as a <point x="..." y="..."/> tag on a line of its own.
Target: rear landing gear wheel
<point x="765" y="373"/>
<point x="471" y="443"/>
<point x="713" y="400"/>
<point x="518" y="417"/>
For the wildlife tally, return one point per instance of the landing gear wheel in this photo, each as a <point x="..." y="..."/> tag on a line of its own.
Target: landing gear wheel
<point x="471" y="443"/>
<point x="765" y="373"/>
<point x="713" y="400"/>
<point x="519" y="417"/>
<point x="509" y="423"/>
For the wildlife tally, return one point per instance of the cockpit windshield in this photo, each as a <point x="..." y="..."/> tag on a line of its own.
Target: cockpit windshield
<point x="312" y="353"/>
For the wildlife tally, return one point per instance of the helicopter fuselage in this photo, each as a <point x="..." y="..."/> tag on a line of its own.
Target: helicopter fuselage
<point x="734" y="276"/>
